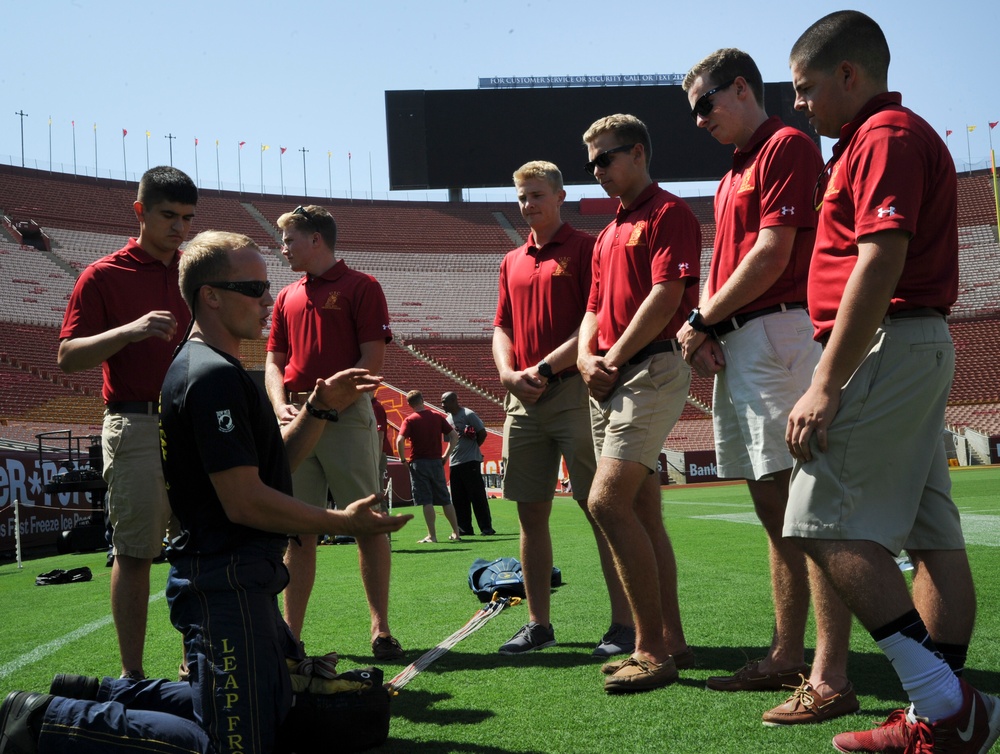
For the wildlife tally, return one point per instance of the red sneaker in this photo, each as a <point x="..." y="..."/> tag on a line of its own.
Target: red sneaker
<point x="971" y="730"/>
<point x="890" y="737"/>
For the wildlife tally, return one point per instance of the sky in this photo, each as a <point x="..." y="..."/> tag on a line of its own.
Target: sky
<point x="313" y="75"/>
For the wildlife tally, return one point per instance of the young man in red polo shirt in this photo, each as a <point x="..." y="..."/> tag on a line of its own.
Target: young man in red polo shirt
<point x="126" y="314"/>
<point x="544" y="286"/>
<point x="645" y="280"/>
<point x="751" y="331"/>
<point x="425" y="429"/>
<point x="333" y="318"/>
<point x="871" y="477"/>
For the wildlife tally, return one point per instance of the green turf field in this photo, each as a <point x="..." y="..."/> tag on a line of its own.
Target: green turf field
<point x="473" y="700"/>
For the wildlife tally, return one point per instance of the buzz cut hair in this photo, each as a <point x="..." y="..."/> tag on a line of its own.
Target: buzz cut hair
<point x="206" y="258"/>
<point x="726" y="65"/>
<point x="843" y="35"/>
<point x="627" y="129"/>
<point x="312" y="219"/>
<point x="166" y="184"/>
<point x="542" y="170"/>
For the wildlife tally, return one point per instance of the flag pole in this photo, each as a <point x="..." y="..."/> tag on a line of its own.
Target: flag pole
<point x="329" y="173"/>
<point x="968" y="146"/>
<point x="197" y="179"/>
<point x="124" y="160"/>
<point x="281" y="168"/>
<point x="996" y="197"/>
<point x="218" y="175"/>
<point x="73" y="123"/>
<point x="95" y="150"/>
<point x="148" y="134"/>
<point x="50" y="144"/>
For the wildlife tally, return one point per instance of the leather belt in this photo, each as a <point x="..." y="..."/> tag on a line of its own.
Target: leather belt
<point x="657" y="346"/>
<point x="726" y="326"/>
<point x="299" y="397"/>
<point x="923" y="311"/>
<point x="149" y="408"/>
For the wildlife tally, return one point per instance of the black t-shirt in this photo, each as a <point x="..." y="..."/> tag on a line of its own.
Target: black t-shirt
<point x="214" y="417"/>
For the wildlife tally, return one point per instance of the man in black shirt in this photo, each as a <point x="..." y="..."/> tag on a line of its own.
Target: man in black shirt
<point x="227" y="467"/>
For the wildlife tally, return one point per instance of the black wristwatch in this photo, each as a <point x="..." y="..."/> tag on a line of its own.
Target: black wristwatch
<point x="545" y="370"/>
<point x="697" y="322"/>
<point x="330" y="415"/>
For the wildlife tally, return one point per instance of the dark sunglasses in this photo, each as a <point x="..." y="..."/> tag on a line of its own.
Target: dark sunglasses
<point x="251" y="288"/>
<point x="604" y="158"/>
<point x="822" y="183"/>
<point x="703" y="105"/>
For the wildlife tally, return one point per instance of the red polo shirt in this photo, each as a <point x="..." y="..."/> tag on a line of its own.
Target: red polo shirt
<point x="424" y="429"/>
<point x="320" y="322"/>
<point x="890" y="171"/>
<point x="118" y="289"/>
<point x="770" y="185"/>
<point x="543" y="293"/>
<point x="656" y="240"/>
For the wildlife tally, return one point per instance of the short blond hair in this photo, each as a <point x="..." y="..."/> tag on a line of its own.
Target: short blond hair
<point x="627" y="129"/>
<point x="542" y="170"/>
<point x="414" y="398"/>
<point x="312" y="219"/>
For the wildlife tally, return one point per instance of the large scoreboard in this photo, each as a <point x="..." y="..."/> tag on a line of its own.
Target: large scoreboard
<point x="450" y="139"/>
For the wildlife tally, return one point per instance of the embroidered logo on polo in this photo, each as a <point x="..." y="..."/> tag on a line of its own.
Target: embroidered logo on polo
<point x="636" y="237"/>
<point x="562" y="267"/>
<point x="886" y="211"/>
<point x="331" y="301"/>
<point x="747" y="183"/>
<point x="831" y="186"/>
<point x="225" y="420"/>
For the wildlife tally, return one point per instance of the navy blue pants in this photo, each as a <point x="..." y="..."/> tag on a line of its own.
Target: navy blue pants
<point x="236" y="644"/>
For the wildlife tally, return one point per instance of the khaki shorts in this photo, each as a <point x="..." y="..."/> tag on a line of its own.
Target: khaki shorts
<point x="884" y="477"/>
<point x="769" y="365"/>
<point x="536" y="436"/>
<point x="345" y="461"/>
<point x="632" y="424"/>
<point x="138" y="507"/>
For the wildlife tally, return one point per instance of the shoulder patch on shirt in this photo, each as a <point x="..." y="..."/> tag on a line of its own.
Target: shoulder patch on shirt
<point x="225" y="420"/>
<point x="331" y="301"/>
<point x="636" y="237"/>
<point x="747" y="183"/>
<point x="562" y="267"/>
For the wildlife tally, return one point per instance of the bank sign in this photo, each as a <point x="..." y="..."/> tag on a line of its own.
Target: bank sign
<point x="43" y="515"/>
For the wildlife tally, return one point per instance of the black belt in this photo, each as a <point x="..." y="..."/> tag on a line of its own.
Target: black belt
<point x="149" y="408"/>
<point x="923" y="311"/>
<point x="726" y="326"/>
<point x="657" y="346"/>
<point x="563" y="375"/>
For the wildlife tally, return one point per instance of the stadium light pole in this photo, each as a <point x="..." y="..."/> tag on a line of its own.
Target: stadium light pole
<point x="305" y="189"/>
<point x="171" y="138"/>
<point x="23" y="115"/>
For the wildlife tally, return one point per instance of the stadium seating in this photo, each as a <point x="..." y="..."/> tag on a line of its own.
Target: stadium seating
<point x="438" y="265"/>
